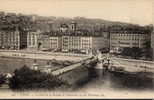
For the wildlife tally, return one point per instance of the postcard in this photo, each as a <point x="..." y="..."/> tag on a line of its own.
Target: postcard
<point x="76" y="49"/>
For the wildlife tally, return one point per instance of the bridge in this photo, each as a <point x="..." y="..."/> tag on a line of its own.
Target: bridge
<point x="75" y="73"/>
<point x="128" y="65"/>
<point x="131" y="66"/>
<point x="86" y="62"/>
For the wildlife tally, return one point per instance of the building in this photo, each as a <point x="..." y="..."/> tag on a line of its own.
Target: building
<point x="152" y="44"/>
<point x="83" y="44"/>
<point x="55" y="42"/>
<point x="152" y="38"/>
<point x="33" y="39"/>
<point x="23" y="39"/>
<point x="65" y="43"/>
<point x="74" y="43"/>
<point x="10" y="39"/>
<point x="71" y="43"/>
<point x="93" y="43"/>
<point x="68" y="39"/>
<point x="64" y="28"/>
<point x="122" y="39"/>
<point x="45" y="41"/>
<point x="49" y="41"/>
<point x="81" y="41"/>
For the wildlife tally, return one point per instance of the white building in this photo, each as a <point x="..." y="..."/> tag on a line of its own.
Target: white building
<point x="32" y="39"/>
<point x="55" y="42"/>
<point x="121" y="40"/>
<point x="85" y="44"/>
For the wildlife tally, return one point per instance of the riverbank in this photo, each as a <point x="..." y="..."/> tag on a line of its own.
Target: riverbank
<point x="42" y="55"/>
<point x="9" y="64"/>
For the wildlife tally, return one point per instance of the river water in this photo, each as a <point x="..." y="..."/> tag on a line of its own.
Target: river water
<point x="99" y="79"/>
<point x="116" y="81"/>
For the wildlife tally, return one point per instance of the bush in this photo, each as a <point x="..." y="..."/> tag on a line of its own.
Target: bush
<point x="133" y="52"/>
<point x="2" y="79"/>
<point x="26" y="78"/>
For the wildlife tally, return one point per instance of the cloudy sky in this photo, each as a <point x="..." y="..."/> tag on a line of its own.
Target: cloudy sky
<point x="132" y="11"/>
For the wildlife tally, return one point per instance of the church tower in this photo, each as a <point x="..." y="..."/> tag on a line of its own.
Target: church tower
<point x="73" y="26"/>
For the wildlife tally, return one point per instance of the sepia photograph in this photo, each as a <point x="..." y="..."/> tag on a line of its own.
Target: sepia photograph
<point x="77" y="49"/>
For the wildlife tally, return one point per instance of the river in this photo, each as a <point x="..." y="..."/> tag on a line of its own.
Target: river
<point x="98" y="78"/>
<point x="116" y="81"/>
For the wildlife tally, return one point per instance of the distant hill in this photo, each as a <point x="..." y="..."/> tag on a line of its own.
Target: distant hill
<point x="11" y="20"/>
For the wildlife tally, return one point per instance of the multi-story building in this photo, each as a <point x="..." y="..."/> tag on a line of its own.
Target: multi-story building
<point x="10" y="39"/>
<point x="152" y="38"/>
<point x="71" y="43"/>
<point x="23" y="39"/>
<point x="45" y="42"/>
<point x="65" y="43"/>
<point x="55" y="42"/>
<point x="152" y="44"/>
<point x="120" y="40"/>
<point x="85" y="44"/>
<point x="33" y="39"/>
<point x="67" y="40"/>
<point x="74" y="43"/>
<point x="93" y="43"/>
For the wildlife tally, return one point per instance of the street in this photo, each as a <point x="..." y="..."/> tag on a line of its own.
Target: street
<point x="43" y="55"/>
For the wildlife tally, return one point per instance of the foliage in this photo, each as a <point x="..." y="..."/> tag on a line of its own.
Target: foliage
<point x="147" y="50"/>
<point x="11" y="21"/>
<point x="2" y="79"/>
<point x="26" y="78"/>
<point x="134" y="52"/>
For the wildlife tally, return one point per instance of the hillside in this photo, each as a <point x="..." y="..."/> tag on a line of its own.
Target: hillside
<point x="9" y="21"/>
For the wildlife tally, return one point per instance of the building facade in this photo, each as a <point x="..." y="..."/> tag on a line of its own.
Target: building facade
<point x="120" y="40"/>
<point x="152" y="44"/>
<point x="65" y="43"/>
<point x="56" y="42"/>
<point x="33" y="39"/>
<point x="13" y="39"/>
<point x="10" y="40"/>
<point x="45" y="42"/>
<point x="85" y="44"/>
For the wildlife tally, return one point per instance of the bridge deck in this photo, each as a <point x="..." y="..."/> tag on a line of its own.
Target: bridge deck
<point x="71" y="67"/>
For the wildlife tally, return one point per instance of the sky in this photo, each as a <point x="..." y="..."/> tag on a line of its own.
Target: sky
<point x="131" y="11"/>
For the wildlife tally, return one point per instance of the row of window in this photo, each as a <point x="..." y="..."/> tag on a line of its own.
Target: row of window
<point x="126" y="38"/>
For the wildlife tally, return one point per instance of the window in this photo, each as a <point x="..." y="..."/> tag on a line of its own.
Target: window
<point x="29" y="39"/>
<point x="33" y="39"/>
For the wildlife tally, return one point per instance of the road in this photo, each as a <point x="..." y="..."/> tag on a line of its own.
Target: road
<point x="132" y="65"/>
<point x="43" y="55"/>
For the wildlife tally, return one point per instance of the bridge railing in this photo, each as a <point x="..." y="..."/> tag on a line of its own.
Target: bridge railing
<point x="71" y="67"/>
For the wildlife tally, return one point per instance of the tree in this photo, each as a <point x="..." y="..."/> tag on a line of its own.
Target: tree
<point x="126" y="51"/>
<point x="134" y="52"/>
<point x="2" y="79"/>
<point x="26" y="78"/>
<point x="147" y="50"/>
